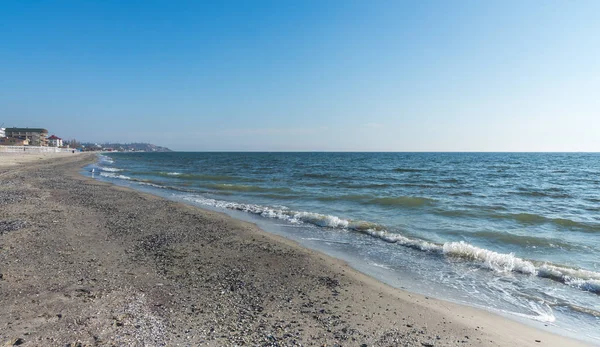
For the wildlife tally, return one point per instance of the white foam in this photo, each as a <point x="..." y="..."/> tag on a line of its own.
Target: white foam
<point x="173" y="173"/>
<point x="380" y="265"/>
<point x="545" y="317"/>
<point x="498" y="262"/>
<point x="578" y="278"/>
<point x="319" y="220"/>
<point x="281" y="213"/>
<point x="114" y="175"/>
<point x="109" y="169"/>
<point x="105" y="159"/>
<point x="151" y="184"/>
<point x="404" y="241"/>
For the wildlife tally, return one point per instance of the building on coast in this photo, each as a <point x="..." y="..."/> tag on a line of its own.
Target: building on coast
<point x="12" y="141"/>
<point x="55" y="141"/>
<point x="2" y="132"/>
<point x="36" y="136"/>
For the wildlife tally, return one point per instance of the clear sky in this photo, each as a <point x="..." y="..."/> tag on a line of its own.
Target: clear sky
<point x="306" y="75"/>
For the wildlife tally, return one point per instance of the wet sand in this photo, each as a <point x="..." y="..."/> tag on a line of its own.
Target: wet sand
<point x="85" y="262"/>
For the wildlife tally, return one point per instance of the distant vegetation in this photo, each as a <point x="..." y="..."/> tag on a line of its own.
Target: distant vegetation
<point x="124" y="147"/>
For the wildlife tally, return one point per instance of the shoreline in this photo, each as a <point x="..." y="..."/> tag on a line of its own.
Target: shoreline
<point x="171" y="273"/>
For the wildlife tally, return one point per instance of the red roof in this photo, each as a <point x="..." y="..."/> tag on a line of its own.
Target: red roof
<point x="54" y="137"/>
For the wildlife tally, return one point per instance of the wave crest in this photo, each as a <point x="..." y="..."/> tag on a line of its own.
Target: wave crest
<point x="114" y="175"/>
<point x="109" y="169"/>
<point x="498" y="262"/>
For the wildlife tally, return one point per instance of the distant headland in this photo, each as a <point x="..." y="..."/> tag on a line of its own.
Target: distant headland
<point x="123" y="147"/>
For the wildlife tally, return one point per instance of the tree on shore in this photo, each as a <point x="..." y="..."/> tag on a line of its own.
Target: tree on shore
<point x="73" y="143"/>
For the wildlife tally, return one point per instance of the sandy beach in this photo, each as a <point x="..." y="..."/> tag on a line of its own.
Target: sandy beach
<point x="85" y="263"/>
<point x="15" y="158"/>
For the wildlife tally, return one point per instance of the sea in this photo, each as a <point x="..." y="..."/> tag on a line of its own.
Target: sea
<point x="517" y="234"/>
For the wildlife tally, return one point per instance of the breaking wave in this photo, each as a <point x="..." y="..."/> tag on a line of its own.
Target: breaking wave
<point x="579" y="278"/>
<point x="498" y="262"/>
<point x="105" y="159"/>
<point x="514" y="239"/>
<point x="501" y="262"/>
<point x="290" y="216"/>
<point x="461" y="251"/>
<point x="109" y="169"/>
<point x="114" y="175"/>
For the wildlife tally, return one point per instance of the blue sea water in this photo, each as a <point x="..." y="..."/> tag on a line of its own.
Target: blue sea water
<point x="514" y="233"/>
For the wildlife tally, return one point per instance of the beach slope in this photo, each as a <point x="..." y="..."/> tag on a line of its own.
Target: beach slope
<point x="87" y="262"/>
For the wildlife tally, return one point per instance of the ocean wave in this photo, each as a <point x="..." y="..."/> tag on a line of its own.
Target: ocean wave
<point x="114" y="175"/>
<point x="488" y="259"/>
<point x="461" y="193"/>
<point x="507" y="262"/>
<point x="362" y="185"/>
<point x="514" y="239"/>
<point x="400" y="201"/>
<point x="105" y="159"/>
<point x="554" y="193"/>
<point x="455" y="213"/>
<point x="417" y="244"/>
<point x="151" y="184"/>
<point x="529" y="218"/>
<point x="495" y="261"/>
<point x="351" y="197"/>
<point x="408" y="169"/>
<point x="199" y="177"/>
<point x="523" y="218"/>
<point x="545" y="316"/>
<point x="578" y="278"/>
<point x="451" y="180"/>
<point x="246" y="188"/>
<point x="403" y="201"/>
<point x="296" y="217"/>
<point x="317" y="175"/>
<point x="581" y="279"/>
<point x="109" y="169"/>
<point x="280" y="196"/>
<point x="581" y="309"/>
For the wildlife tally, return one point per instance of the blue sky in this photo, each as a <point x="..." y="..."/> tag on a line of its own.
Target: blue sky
<point x="306" y="75"/>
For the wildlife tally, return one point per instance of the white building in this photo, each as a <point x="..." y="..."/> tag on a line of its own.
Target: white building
<point x="55" y="141"/>
<point x="2" y="132"/>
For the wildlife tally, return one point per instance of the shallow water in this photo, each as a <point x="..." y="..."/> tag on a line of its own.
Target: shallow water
<point x="514" y="233"/>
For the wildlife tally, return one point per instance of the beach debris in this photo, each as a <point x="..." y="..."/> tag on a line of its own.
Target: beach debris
<point x="329" y="282"/>
<point x="11" y="225"/>
<point x="17" y="341"/>
<point x="11" y="197"/>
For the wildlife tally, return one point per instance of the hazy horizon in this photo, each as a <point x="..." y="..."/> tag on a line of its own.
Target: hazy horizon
<point x="433" y="76"/>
